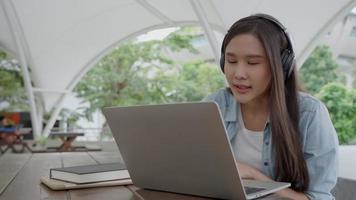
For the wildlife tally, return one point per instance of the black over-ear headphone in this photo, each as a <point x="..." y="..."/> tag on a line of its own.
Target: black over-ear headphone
<point x="287" y="54"/>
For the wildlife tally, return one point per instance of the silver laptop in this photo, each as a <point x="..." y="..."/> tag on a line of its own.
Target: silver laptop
<point x="181" y="148"/>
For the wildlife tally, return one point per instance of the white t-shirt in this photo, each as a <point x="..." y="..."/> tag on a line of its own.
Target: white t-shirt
<point x="247" y="145"/>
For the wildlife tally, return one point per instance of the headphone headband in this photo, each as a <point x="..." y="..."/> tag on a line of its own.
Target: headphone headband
<point x="288" y="36"/>
<point x="287" y="54"/>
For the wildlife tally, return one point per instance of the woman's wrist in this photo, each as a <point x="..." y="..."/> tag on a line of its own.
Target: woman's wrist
<point x="250" y="173"/>
<point x="258" y="175"/>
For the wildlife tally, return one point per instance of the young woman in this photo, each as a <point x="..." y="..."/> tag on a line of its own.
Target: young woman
<point x="277" y="132"/>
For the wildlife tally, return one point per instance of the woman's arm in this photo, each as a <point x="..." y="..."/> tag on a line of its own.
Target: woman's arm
<point x="249" y="172"/>
<point x="320" y="148"/>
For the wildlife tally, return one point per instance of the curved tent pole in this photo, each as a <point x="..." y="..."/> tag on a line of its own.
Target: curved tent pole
<point x="155" y="12"/>
<point x="54" y="114"/>
<point x="199" y="11"/>
<point x="96" y="59"/>
<point x="340" y="33"/>
<point x="15" y="28"/>
<point x="76" y="79"/>
<point x="332" y="21"/>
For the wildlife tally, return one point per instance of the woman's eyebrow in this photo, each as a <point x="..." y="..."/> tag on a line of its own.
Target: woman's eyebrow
<point x="248" y="56"/>
<point x="255" y="56"/>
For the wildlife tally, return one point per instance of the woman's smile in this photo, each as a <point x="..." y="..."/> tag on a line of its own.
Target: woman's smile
<point x="242" y="89"/>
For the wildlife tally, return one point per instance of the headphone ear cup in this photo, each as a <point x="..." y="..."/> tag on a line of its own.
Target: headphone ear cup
<point x="287" y="62"/>
<point x="290" y="63"/>
<point x="222" y="62"/>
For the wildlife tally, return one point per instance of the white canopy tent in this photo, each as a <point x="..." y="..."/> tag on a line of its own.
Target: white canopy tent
<point x="58" y="41"/>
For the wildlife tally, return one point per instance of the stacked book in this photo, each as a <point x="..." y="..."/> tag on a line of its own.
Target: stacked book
<point x="86" y="176"/>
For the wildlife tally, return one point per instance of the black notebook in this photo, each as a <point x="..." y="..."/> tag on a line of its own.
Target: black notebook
<point x="90" y="173"/>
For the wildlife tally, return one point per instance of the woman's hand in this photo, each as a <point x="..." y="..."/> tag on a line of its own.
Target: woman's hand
<point x="249" y="172"/>
<point x="246" y="171"/>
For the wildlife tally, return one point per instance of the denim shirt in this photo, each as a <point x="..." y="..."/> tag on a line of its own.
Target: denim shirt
<point x="317" y="135"/>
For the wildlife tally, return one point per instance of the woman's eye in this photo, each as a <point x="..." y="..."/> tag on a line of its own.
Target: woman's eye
<point x="231" y="61"/>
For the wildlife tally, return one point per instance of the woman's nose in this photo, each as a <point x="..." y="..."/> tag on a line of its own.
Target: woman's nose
<point x="240" y="72"/>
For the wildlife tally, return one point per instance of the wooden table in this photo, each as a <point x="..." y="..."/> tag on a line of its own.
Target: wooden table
<point x="20" y="179"/>
<point x="10" y="140"/>
<point x="67" y="139"/>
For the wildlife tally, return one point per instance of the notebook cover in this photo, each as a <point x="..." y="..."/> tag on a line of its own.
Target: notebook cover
<point x="88" y="169"/>
<point x="62" y="185"/>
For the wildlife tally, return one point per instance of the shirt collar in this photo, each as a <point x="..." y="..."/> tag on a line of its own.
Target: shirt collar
<point x="231" y="108"/>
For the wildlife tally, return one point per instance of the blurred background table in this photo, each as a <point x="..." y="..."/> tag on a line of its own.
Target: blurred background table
<point x="67" y="139"/>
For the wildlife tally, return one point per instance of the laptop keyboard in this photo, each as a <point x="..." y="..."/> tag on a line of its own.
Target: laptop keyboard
<point x="250" y="190"/>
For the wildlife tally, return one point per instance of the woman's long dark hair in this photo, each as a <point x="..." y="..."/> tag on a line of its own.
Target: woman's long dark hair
<point x="290" y="165"/>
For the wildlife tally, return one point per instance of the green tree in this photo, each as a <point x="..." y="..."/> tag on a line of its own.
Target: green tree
<point x="194" y="81"/>
<point x="341" y="103"/>
<point x="140" y="73"/>
<point x="318" y="70"/>
<point x="319" y="77"/>
<point x="12" y="89"/>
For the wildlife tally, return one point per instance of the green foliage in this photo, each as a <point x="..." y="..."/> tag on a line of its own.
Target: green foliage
<point x="318" y="70"/>
<point x="319" y="77"/>
<point x="140" y="73"/>
<point x="107" y="82"/>
<point x="194" y="81"/>
<point x="341" y="103"/>
<point x="12" y="88"/>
